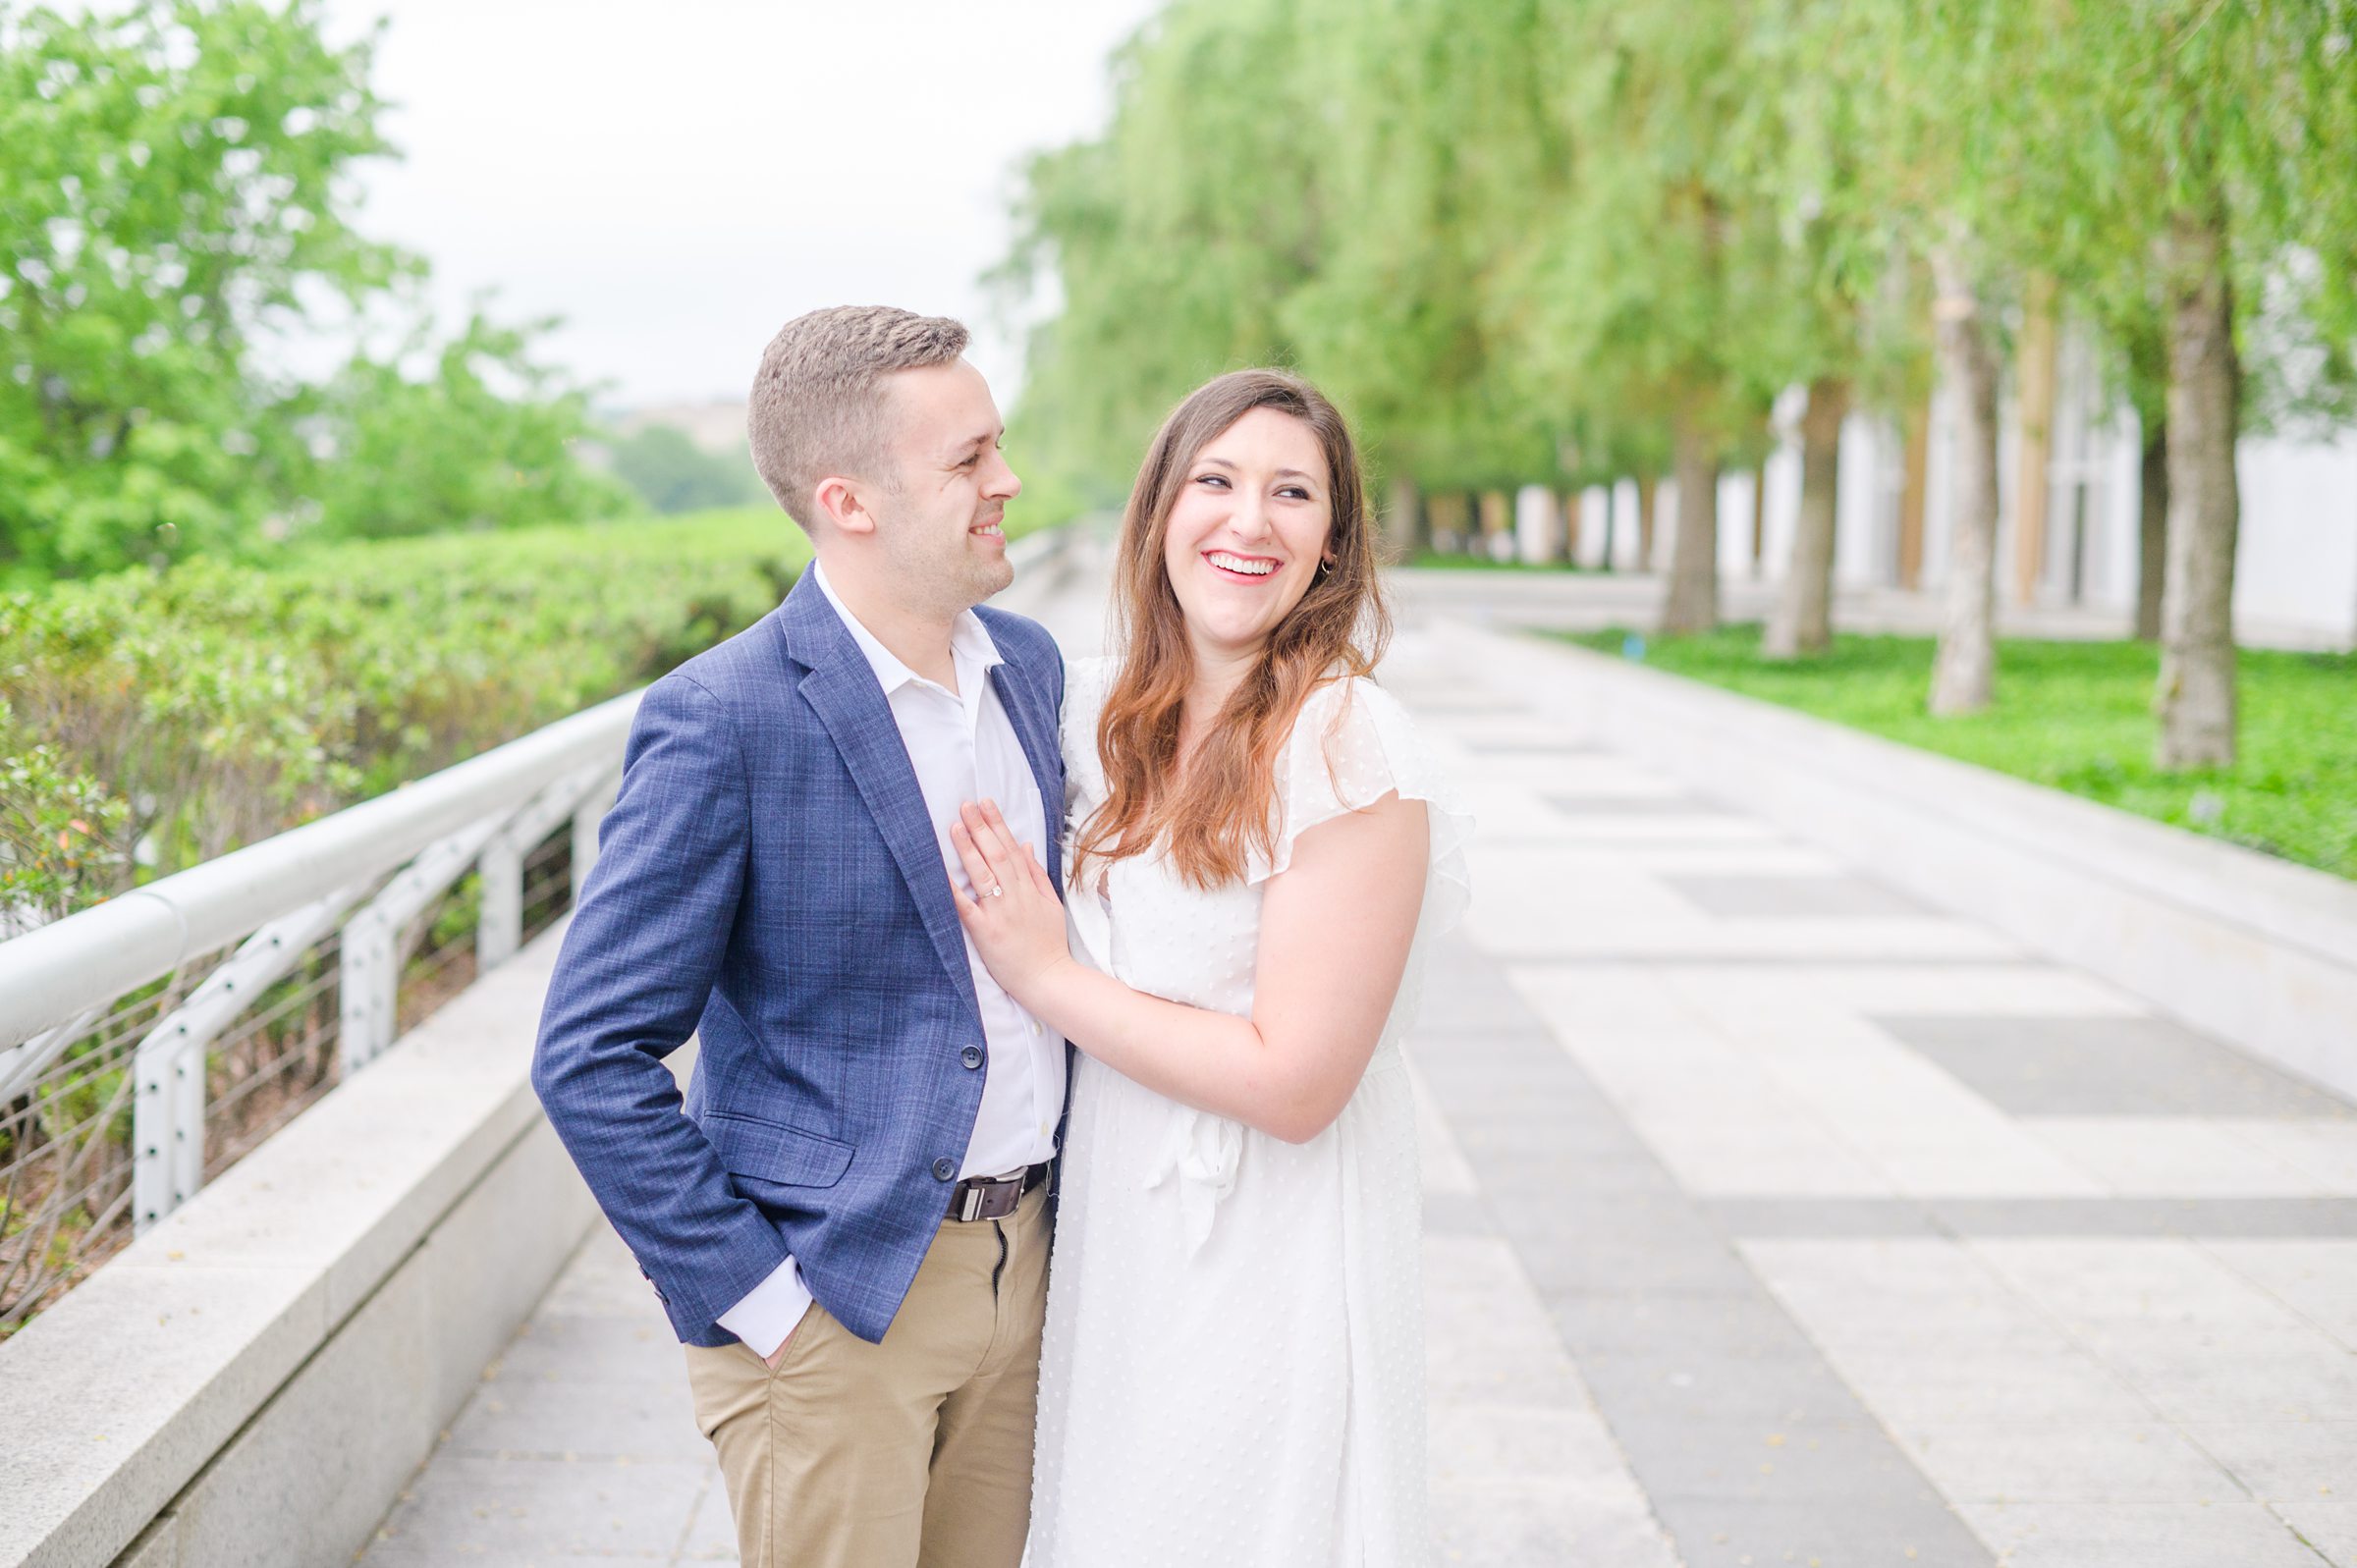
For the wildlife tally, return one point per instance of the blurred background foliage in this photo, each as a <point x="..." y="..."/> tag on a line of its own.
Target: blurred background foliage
<point x="1571" y="243"/>
<point x="157" y="719"/>
<point x="1522" y="239"/>
<point x="1552" y="243"/>
<point x="671" y="473"/>
<point x="224" y="619"/>
<point x="175" y="209"/>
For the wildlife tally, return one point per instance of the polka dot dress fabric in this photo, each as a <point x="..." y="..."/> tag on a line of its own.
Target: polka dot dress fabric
<point x="1233" y="1372"/>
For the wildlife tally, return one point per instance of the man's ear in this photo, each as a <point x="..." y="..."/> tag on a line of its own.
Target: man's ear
<point x="844" y="502"/>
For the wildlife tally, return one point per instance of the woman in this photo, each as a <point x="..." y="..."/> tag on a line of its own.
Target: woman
<point x="1233" y="1371"/>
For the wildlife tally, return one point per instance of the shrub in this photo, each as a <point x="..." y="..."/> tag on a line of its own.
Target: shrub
<point x="177" y="714"/>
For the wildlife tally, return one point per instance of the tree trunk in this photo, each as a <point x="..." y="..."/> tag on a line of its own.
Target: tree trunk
<point x="1759" y="520"/>
<point x="1568" y="506"/>
<point x="1612" y="509"/>
<point x="2151" y="530"/>
<point x="1405" y="532"/>
<point x="2196" y="698"/>
<point x="1496" y="526"/>
<point x="1802" y="622"/>
<point x="1912" y="493"/>
<point x="2036" y="355"/>
<point x="1646" y="485"/>
<point x="1692" y="602"/>
<point x="1447" y="514"/>
<point x="1964" y="668"/>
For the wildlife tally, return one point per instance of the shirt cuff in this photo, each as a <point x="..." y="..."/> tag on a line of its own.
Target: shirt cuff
<point x="771" y="1311"/>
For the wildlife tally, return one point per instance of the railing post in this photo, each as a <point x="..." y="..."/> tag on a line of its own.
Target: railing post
<point x="500" y="871"/>
<point x="166" y="1118"/>
<point x="167" y="1124"/>
<point x="499" y="923"/>
<point x="585" y="824"/>
<point x="372" y="977"/>
<point x="367" y="985"/>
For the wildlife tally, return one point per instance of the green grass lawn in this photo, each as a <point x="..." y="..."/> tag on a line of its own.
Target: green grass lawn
<point x="1434" y="561"/>
<point x="2077" y="716"/>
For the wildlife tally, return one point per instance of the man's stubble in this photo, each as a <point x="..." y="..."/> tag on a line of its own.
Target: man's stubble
<point x="938" y="571"/>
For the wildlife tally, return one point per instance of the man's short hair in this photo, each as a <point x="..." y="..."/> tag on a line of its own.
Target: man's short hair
<point x="818" y="404"/>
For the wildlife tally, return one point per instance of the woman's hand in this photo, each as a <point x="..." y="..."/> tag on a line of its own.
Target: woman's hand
<point x="1013" y="918"/>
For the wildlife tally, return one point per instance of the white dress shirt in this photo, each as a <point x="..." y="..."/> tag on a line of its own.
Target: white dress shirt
<point x="963" y="747"/>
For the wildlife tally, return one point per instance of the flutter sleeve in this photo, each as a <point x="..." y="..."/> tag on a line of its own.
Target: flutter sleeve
<point x="1352" y="746"/>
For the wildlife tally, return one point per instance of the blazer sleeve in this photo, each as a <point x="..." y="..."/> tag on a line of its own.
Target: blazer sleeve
<point x="631" y="981"/>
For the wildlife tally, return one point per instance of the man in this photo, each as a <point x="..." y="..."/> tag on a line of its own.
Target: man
<point x="848" y="1225"/>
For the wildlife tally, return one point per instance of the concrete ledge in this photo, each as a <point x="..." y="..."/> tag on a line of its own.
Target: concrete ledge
<point x="252" y="1380"/>
<point x="2248" y="949"/>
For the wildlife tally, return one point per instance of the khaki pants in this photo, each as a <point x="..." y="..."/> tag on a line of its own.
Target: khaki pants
<point x="914" y="1453"/>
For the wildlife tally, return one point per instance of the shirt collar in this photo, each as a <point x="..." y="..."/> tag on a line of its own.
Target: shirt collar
<point x="971" y="644"/>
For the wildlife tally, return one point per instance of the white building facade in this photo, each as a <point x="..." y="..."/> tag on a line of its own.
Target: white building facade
<point x="2295" y="575"/>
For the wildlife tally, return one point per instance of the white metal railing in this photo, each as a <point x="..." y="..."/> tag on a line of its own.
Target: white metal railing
<point x="366" y="872"/>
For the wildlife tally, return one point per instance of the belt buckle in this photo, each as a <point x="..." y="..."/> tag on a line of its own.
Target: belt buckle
<point x="991" y="1197"/>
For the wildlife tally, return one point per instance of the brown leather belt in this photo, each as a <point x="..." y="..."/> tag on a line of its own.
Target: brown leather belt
<point x="994" y="1197"/>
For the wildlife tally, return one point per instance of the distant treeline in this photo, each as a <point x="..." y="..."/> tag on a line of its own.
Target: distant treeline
<point x="1566" y="243"/>
<point x="671" y="472"/>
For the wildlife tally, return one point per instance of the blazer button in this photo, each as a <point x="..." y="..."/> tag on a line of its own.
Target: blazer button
<point x="971" y="1056"/>
<point x="943" y="1169"/>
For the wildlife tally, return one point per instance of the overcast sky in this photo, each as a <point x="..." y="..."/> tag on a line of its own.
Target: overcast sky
<point x="677" y="182"/>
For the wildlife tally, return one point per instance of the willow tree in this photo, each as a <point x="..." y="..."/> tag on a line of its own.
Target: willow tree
<point x="1646" y="292"/>
<point x="1175" y="237"/>
<point x="1437" y="145"/>
<point x="1948" y="135"/>
<point x="2201" y="155"/>
<point x="1854" y="314"/>
<point x="1303" y="181"/>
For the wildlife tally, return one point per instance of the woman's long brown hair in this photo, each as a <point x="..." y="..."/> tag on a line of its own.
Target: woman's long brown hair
<point x="1222" y="812"/>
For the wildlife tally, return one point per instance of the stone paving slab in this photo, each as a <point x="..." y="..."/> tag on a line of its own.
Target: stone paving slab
<point x="2034" y="1067"/>
<point x="1750" y="896"/>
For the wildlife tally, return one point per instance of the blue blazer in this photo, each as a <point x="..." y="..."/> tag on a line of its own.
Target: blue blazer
<point x="769" y="879"/>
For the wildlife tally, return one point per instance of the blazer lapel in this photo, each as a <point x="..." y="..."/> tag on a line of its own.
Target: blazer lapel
<point x="842" y="690"/>
<point x="1036" y="731"/>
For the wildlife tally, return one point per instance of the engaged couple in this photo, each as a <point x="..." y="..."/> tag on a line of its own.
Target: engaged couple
<point x="1046" y="1187"/>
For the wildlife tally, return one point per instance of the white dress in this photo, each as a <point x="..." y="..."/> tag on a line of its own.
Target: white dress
<point x="1232" y="1373"/>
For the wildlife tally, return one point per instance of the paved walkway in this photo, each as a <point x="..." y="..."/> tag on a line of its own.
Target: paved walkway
<point x="1772" y="1218"/>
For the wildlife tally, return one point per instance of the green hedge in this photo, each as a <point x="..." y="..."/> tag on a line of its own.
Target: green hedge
<point x="152" y="720"/>
<point x="2078" y="716"/>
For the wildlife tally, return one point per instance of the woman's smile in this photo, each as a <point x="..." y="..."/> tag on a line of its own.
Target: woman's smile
<point x="1242" y="567"/>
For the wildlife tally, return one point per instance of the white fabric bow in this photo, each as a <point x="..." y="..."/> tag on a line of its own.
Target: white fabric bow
<point x="1202" y="1151"/>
